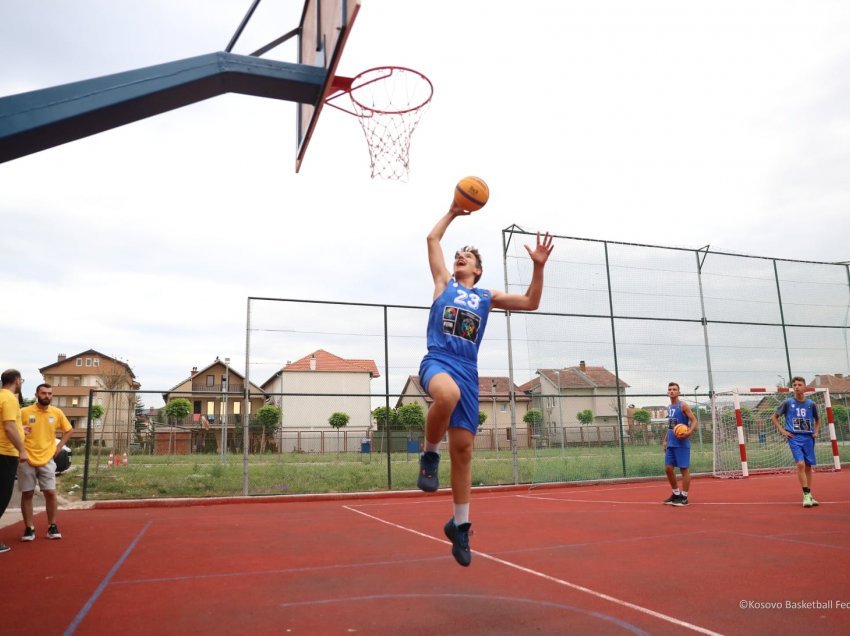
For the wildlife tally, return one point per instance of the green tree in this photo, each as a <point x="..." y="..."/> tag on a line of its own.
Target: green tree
<point x="267" y="419"/>
<point x="482" y="417"/>
<point x="96" y="412"/>
<point x="641" y="416"/>
<point x="338" y="420"/>
<point x="176" y="410"/>
<point x="384" y="419"/>
<point x="139" y="406"/>
<point x="412" y="418"/>
<point x="585" y="416"/>
<point x="534" y="418"/>
<point x="842" y="417"/>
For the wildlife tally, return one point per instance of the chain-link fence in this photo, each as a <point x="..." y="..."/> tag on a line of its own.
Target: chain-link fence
<point x="573" y="391"/>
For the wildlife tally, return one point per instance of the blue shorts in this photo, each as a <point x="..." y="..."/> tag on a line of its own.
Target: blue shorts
<point x="465" y="376"/>
<point x="679" y="456"/>
<point x="803" y="449"/>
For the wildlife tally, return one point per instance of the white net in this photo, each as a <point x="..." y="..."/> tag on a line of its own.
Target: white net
<point x="389" y="103"/>
<point x="766" y="449"/>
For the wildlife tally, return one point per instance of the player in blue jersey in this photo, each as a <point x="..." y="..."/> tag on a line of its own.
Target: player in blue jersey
<point x="799" y="425"/>
<point x="677" y="452"/>
<point x="449" y="371"/>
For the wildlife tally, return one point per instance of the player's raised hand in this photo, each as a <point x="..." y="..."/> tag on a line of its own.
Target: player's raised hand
<point x="540" y="254"/>
<point x="456" y="210"/>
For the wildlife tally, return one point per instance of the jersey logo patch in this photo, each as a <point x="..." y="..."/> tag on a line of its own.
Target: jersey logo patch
<point x="461" y="323"/>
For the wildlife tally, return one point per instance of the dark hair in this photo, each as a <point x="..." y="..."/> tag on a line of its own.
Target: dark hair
<point x="474" y="251"/>
<point x="9" y="376"/>
<point x="675" y="384"/>
<point x="797" y="377"/>
<point x="43" y="384"/>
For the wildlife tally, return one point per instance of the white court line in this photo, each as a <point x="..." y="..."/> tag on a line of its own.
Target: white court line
<point x="552" y="579"/>
<point x="658" y="503"/>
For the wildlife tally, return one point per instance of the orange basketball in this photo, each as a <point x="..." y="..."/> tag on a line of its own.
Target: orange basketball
<point x="471" y="193"/>
<point x="680" y="431"/>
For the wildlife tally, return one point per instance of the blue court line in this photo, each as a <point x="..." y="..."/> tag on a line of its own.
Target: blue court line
<point x="93" y="598"/>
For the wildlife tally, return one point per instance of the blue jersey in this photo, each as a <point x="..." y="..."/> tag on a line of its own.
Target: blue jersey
<point x="676" y="416"/>
<point x="457" y="321"/>
<point x="800" y="417"/>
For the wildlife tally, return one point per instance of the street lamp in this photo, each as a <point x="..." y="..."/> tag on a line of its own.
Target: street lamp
<point x="699" y="426"/>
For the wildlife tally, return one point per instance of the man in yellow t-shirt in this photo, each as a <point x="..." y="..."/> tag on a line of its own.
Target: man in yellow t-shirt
<point x="41" y="421"/>
<point x="12" y="448"/>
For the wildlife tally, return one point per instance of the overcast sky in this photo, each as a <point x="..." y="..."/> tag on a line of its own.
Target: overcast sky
<point x="673" y="123"/>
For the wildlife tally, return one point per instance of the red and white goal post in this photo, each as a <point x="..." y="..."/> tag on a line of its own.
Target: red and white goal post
<point x="746" y="440"/>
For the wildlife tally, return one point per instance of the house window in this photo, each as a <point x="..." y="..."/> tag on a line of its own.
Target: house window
<point x="96" y="362"/>
<point x="503" y="408"/>
<point x="210" y="407"/>
<point x="210" y="380"/>
<point x="79" y="362"/>
<point x="75" y="401"/>
<point x="77" y="381"/>
<point x="237" y="406"/>
<point x="88" y="362"/>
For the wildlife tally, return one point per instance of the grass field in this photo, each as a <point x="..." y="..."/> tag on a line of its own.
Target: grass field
<point x="203" y="475"/>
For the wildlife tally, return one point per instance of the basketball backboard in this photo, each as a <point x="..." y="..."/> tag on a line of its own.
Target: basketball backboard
<point x="324" y="29"/>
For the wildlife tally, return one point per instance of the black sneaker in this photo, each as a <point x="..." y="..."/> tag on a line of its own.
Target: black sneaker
<point x="53" y="532"/>
<point x="29" y="534"/>
<point x="4" y="548"/>
<point x="429" y="469"/>
<point x="459" y="536"/>
<point x="681" y="501"/>
<point x="672" y="499"/>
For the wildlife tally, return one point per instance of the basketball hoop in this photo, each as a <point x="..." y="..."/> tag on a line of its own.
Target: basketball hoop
<point x="389" y="103"/>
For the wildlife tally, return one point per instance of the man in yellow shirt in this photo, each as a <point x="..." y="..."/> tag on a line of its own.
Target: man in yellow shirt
<point x="12" y="448"/>
<point x="41" y="421"/>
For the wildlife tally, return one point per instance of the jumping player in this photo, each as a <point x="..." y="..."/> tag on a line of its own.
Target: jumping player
<point x="677" y="452"/>
<point x="449" y="371"/>
<point x="800" y="427"/>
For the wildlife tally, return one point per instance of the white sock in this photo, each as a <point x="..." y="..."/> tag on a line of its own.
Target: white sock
<point x="676" y="491"/>
<point x="432" y="448"/>
<point x="684" y="493"/>
<point x="461" y="513"/>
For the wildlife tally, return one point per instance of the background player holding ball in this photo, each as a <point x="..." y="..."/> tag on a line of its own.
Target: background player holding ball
<point x="449" y="371"/>
<point x="677" y="445"/>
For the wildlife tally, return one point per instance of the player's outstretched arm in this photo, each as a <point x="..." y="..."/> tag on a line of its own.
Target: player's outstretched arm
<point x="530" y="300"/>
<point x="436" y="259"/>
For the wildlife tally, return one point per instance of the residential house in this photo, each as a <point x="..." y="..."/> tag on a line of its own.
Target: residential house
<point x="73" y="378"/>
<point x="311" y="389"/>
<point x="837" y="383"/>
<point x="560" y="394"/>
<point x="216" y="393"/>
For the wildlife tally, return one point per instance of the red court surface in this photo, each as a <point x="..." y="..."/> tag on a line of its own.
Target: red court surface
<point x="743" y="558"/>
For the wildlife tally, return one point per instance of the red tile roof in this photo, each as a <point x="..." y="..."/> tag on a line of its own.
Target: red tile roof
<point x="328" y="362"/>
<point x="835" y="383"/>
<point x="576" y="378"/>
